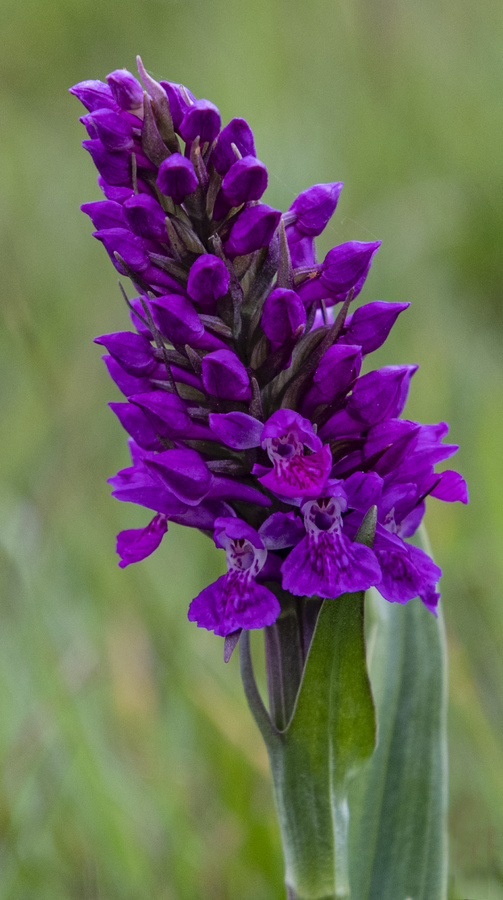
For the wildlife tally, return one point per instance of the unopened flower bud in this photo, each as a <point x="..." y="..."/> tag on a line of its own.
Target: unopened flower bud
<point x="252" y="230"/>
<point x="225" y="376"/>
<point x="239" y="133"/>
<point x="310" y="213"/>
<point x="113" y="130"/>
<point x="202" y="120"/>
<point x="145" y="217"/>
<point x="94" y="94"/>
<point x="113" y="166"/>
<point x="208" y="281"/>
<point x="177" y="319"/>
<point x="126" y="89"/>
<point x="246" y="180"/>
<point x="283" y="313"/>
<point x="176" y="177"/>
<point x="178" y="96"/>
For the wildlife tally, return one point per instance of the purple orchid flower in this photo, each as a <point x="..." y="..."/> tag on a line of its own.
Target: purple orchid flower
<point x="285" y="436"/>
<point x="236" y="600"/>
<point x="243" y="396"/>
<point x="325" y="563"/>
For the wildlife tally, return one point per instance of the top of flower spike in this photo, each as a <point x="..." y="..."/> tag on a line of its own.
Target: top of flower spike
<point x="246" y="410"/>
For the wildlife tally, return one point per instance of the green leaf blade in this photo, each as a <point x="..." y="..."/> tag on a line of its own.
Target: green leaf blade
<point x="399" y="804"/>
<point x="332" y="732"/>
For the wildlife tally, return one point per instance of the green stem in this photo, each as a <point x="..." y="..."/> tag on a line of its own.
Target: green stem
<point x="320" y="731"/>
<point x="284" y="648"/>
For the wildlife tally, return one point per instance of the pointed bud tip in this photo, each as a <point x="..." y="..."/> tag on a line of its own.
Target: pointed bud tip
<point x="230" y="643"/>
<point x="366" y="532"/>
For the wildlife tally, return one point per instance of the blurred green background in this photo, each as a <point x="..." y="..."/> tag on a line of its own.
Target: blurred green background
<point x="130" y="767"/>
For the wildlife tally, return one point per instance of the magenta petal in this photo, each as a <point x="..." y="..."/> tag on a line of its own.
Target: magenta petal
<point x="229" y="528"/>
<point x="136" y="311"/>
<point x="145" y="217"/>
<point x="285" y="420"/>
<point x="113" y="166"/>
<point x="113" y="130"/>
<point x="314" y="207"/>
<point x="430" y="598"/>
<point x="236" y="429"/>
<point x="380" y="394"/>
<point x="225" y="376"/>
<point x="237" y="132"/>
<point x="176" y="319"/>
<point x="246" y="180"/>
<point x="183" y="472"/>
<point x="346" y="264"/>
<point x="253" y="229"/>
<point x="145" y="491"/>
<point x="281" y="530"/>
<point x="234" y="601"/>
<point x="104" y="214"/>
<point x="166" y="413"/>
<point x="127" y="91"/>
<point x="176" y="177"/>
<point x="282" y="315"/>
<point x="202" y="119"/>
<point x="391" y="441"/>
<point x="134" y="421"/>
<point x="303" y="476"/>
<point x="137" y="543"/>
<point x="179" y="98"/>
<point x="451" y="487"/>
<point x="411" y="522"/>
<point x="327" y="565"/>
<point x="338" y="368"/>
<point x="94" y="94"/>
<point x="128" y="384"/>
<point x="129" y="246"/>
<point x="208" y="281"/>
<point x="406" y="570"/>
<point x="114" y="192"/>
<point x="363" y="489"/>
<point x="370" y="324"/>
<point x="303" y="252"/>
<point x="232" y="489"/>
<point x="132" y="351"/>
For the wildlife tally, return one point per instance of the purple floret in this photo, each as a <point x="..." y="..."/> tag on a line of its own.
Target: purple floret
<point x="94" y="94"/>
<point x="225" y="376"/>
<point x="285" y="437"/>
<point x="239" y="133"/>
<point x="310" y="213"/>
<point x="137" y="543"/>
<point x="179" y="100"/>
<point x="202" y="120"/>
<point x="126" y="89"/>
<point x="145" y="217"/>
<point x="113" y="166"/>
<point x="246" y="180"/>
<point x="176" y="177"/>
<point x="236" y="600"/>
<point x="208" y="281"/>
<point x="326" y="562"/>
<point x="253" y="229"/>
